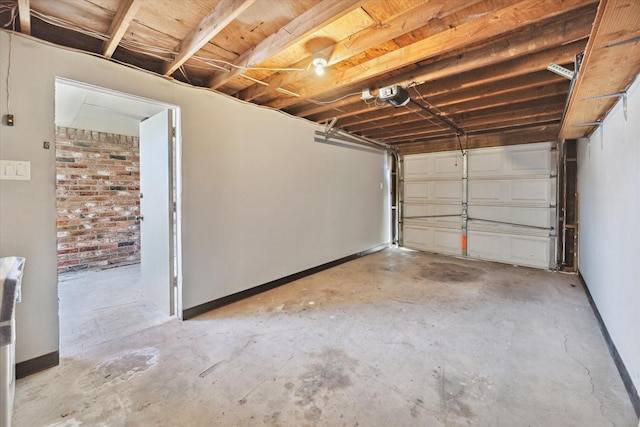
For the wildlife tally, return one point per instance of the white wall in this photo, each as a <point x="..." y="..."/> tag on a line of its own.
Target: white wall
<point x="609" y="233"/>
<point x="261" y="199"/>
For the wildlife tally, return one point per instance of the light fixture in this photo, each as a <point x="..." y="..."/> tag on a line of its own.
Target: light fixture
<point x="320" y="63"/>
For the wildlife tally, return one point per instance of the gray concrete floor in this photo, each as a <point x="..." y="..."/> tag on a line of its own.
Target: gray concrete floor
<point x="397" y="338"/>
<point x="100" y="306"/>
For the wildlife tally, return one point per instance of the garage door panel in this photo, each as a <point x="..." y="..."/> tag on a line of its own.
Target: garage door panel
<point x="485" y="164"/>
<point x="416" y="190"/>
<point x="430" y="214"/>
<point x="433" y="166"/>
<point x="416" y="168"/>
<point x="432" y="239"/>
<point x="519" y="160"/>
<point x="486" y="191"/>
<point x="531" y="251"/>
<point x="530" y="162"/>
<point x="539" y="191"/>
<point x="491" y="227"/>
<point x="511" y="198"/>
<point x="527" y="216"/>
<point x="433" y="191"/>
<point x="449" y="166"/>
<point x="447" y="191"/>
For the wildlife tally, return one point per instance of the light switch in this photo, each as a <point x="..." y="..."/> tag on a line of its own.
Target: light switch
<point x="15" y="170"/>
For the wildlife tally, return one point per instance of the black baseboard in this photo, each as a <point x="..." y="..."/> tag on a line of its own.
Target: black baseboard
<point x="37" y="364"/>
<point x="624" y="374"/>
<point x="220" y="302"/>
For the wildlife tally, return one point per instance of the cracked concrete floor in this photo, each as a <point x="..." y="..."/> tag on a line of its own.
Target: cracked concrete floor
<point x="397" y="338"/>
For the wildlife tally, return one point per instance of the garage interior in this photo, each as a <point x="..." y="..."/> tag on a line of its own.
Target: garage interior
<point x="386" y="212"/>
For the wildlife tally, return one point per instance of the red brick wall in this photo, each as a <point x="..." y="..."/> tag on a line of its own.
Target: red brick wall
<point x="97" y="199"/>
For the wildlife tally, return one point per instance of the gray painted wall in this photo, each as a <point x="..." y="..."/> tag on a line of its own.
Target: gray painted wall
<point x="609" y="214"/>
<point x="260" y="199"/>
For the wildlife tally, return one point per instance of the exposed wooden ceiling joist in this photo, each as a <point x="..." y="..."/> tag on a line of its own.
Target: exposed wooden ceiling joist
<point x="527" y="134"/>
<point x="491" y="25"/>
<point x="381" y="119"/>
<point x="125" y="14"/>
<point x="479" y="63"/>
<point x="614" y="45"/>
<point x="305" y="24"/>
<point x="221" y="16"/>
<point x="362" y="41"/>
<point x="478" y="78"/>
<point x="24" y="10"/>
<point x="502" y="50"/>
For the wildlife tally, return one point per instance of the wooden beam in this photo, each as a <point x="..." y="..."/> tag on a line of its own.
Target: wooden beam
<point x="307" y="23"/>
<point x="519" y="113"/>
<point x="520" y="86"/>
<point x="355" y="44"/>
<point x="392" y="136"/>
<point x="219" y="18"/>
<point x="434" y="136"/>
<point x="529" y="134"/>
<point x="512" y="110"/>
<point x="486" y="77"/>
<point x="524" y="13"/>
<point x="534" y="119"/>
<point x="522" y="44"/>
<point x="381" y="117"/>
<point x="119" y="25"/>
<point x="24" y="11"/>
<point x="518" y="67"/>
<point x="527" y="42"/>
<point x="611" y="62"/>
<point x="503" y="87"/>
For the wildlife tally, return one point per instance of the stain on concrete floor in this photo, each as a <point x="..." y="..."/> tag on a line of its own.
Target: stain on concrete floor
<point x="451" y="273"/>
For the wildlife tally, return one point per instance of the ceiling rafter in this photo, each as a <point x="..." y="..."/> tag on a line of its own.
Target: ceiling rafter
<point x="550" y="109"/>
<point x="217" y="20"/>
<point x="24" y="11"/>
<point x="306" y="24"/>
<point x="480" y="63"/>
<point x="616" y="23"/>
<point x="125" y="14"/>
<point x="502" y="87"/>
<point x="494" y="73"/>
<point x="403" y="23"/>
<point x="539" y="115"/>
<point x="503" y="49"/>
<point x="500" y="100"/>
<point x="537" y="133"/>
<point x="494" y="24"/>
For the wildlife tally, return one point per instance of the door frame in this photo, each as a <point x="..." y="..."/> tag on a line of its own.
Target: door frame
<point x="176" y="177"/>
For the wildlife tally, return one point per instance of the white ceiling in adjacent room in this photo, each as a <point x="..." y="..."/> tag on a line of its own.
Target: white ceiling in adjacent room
<point x="84" y="108"/>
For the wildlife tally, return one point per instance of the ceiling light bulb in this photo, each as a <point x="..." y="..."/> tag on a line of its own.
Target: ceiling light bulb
<point x="319" y="63"/>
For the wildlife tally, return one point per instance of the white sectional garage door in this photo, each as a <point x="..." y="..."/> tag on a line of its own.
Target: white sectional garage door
<point x="510" y="195"/>
<point x="432" y="209"/>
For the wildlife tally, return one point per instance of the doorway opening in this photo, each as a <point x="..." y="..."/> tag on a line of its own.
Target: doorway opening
<point x="118" y="244"/>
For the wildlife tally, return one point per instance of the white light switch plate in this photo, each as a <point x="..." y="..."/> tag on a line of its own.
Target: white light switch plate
<point x="15" y="170"/>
